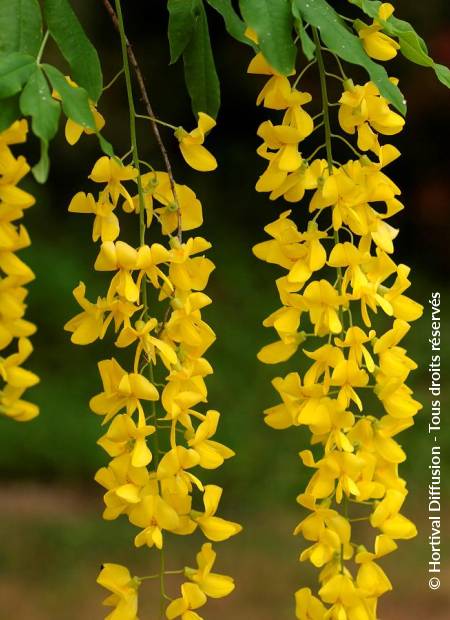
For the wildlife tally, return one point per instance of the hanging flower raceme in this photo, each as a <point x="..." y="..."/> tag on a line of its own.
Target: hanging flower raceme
<point x="338" y="276"/>
<point x="157" y="434"/>
<point x="15" y="330"/>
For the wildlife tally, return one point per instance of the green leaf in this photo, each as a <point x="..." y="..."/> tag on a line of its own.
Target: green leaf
<point x="370" y="7"/>
<point x="41" y="169"/>
<point x="74" y="45"/>
<point x="233" y="23"/>
<point x="105" y="145"/>
<point x="20" y="26"/>
<point x="273" y="22"/>
<point x="412" y="46"/>
<point x="348" y="46"/>
<point x="9" y="112"/>
<point x="308" y="47"/>
<point x="183" y="16"/>
<point x="443" y="74"/>
<point x="74" y="99"/>
<point x="36" y="101"/>
<point x="200" y="70"/>
<point x="15" y="69"/>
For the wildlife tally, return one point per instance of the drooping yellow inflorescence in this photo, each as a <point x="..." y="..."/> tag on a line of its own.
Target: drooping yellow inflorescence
<point x="15" y="330"/>
<point x="156" y="435"/>
<point x="339" y="279"/>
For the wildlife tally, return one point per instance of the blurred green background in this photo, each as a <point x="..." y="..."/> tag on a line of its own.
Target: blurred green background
<point x="53" y="539"/>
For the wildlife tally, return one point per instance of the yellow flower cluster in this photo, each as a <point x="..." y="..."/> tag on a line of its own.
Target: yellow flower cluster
<point x="337" y="275"/>
<point x="377" y="44"/>
<point x="14" y="276"/>
<point x="156" y="434"/>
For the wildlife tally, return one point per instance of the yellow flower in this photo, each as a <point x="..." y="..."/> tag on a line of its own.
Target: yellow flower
<point x="285" y="249"/>
<point x="14" y="134"/>
<point x="342" y="467"/>
<point x="124" y="591"/>
<point x="285" y="141"/>
<point x="10" y="367"/>
<point x="112" y="172"/>
<point x="121" y="390"/>
<point x="191" y="144"/>
<point x="186" y="325"/>
<point x="347" y="375"/>
<point x="146" y="343"/>
<point x="330" y="532"/>
<point x="174" y="465"/>
<point x="190" y="207"/>
<point x="214" y="528"/>
<point x="212" y="584"/>
<point x="396" y="397"/>
<point x="187" y="273"/>
<point x="154" y="515"/>
<point x="211" y="453"/>
<point x="191" y="598"/>
<point x="120" y="257"/>
<point x="340" y="589"/>
<point x="286" y="321"/>
<point x="148" y="259"/>
<point x="388" y="519"/>
<point x="88" y="325"/>
<point x="307" y="606"/>
<point x="372" y="580"/>
<point x="106" y="225"/>
<point x="301" y="404"/>
<point x="73" y="131"/>
<point x="323" y="303"/>
<point x="123" y="483"/>
<point x="124" y="436"/>
<point x="13" y="406"/>
<point x="377" y="44"/>
<point x="365" y="110"/>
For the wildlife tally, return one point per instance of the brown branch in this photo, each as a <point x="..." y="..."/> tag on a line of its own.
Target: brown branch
<point x="145" y="98"/>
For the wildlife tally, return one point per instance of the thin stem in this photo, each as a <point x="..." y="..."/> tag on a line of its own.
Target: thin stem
<point x="148" y="107"/>
<point x="328" y="136"/>
<point x="142" y="229"/>
<point x="124" y="157"/>
<point x="133" y="137"/>
<point x="347" y="19"/>
<point x="157" y="575"/>
<point x="345" y="141"/>
<point x="156" y="454"/>
<point x="333" y="75"/>
<point x="156" y="120"/>
<point x="365" y="503"/>
<point x="113" y="80"/>
<point x="314" y="153"/>
<point x="41" y="49"/>
<point x="162" y="584"/>
<point x="303" y="71"/>
<point x="318" y="126"/>
<point x="145" y="163"/>
<point x="324" y="93"/>
<point x="341" y="69"/>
